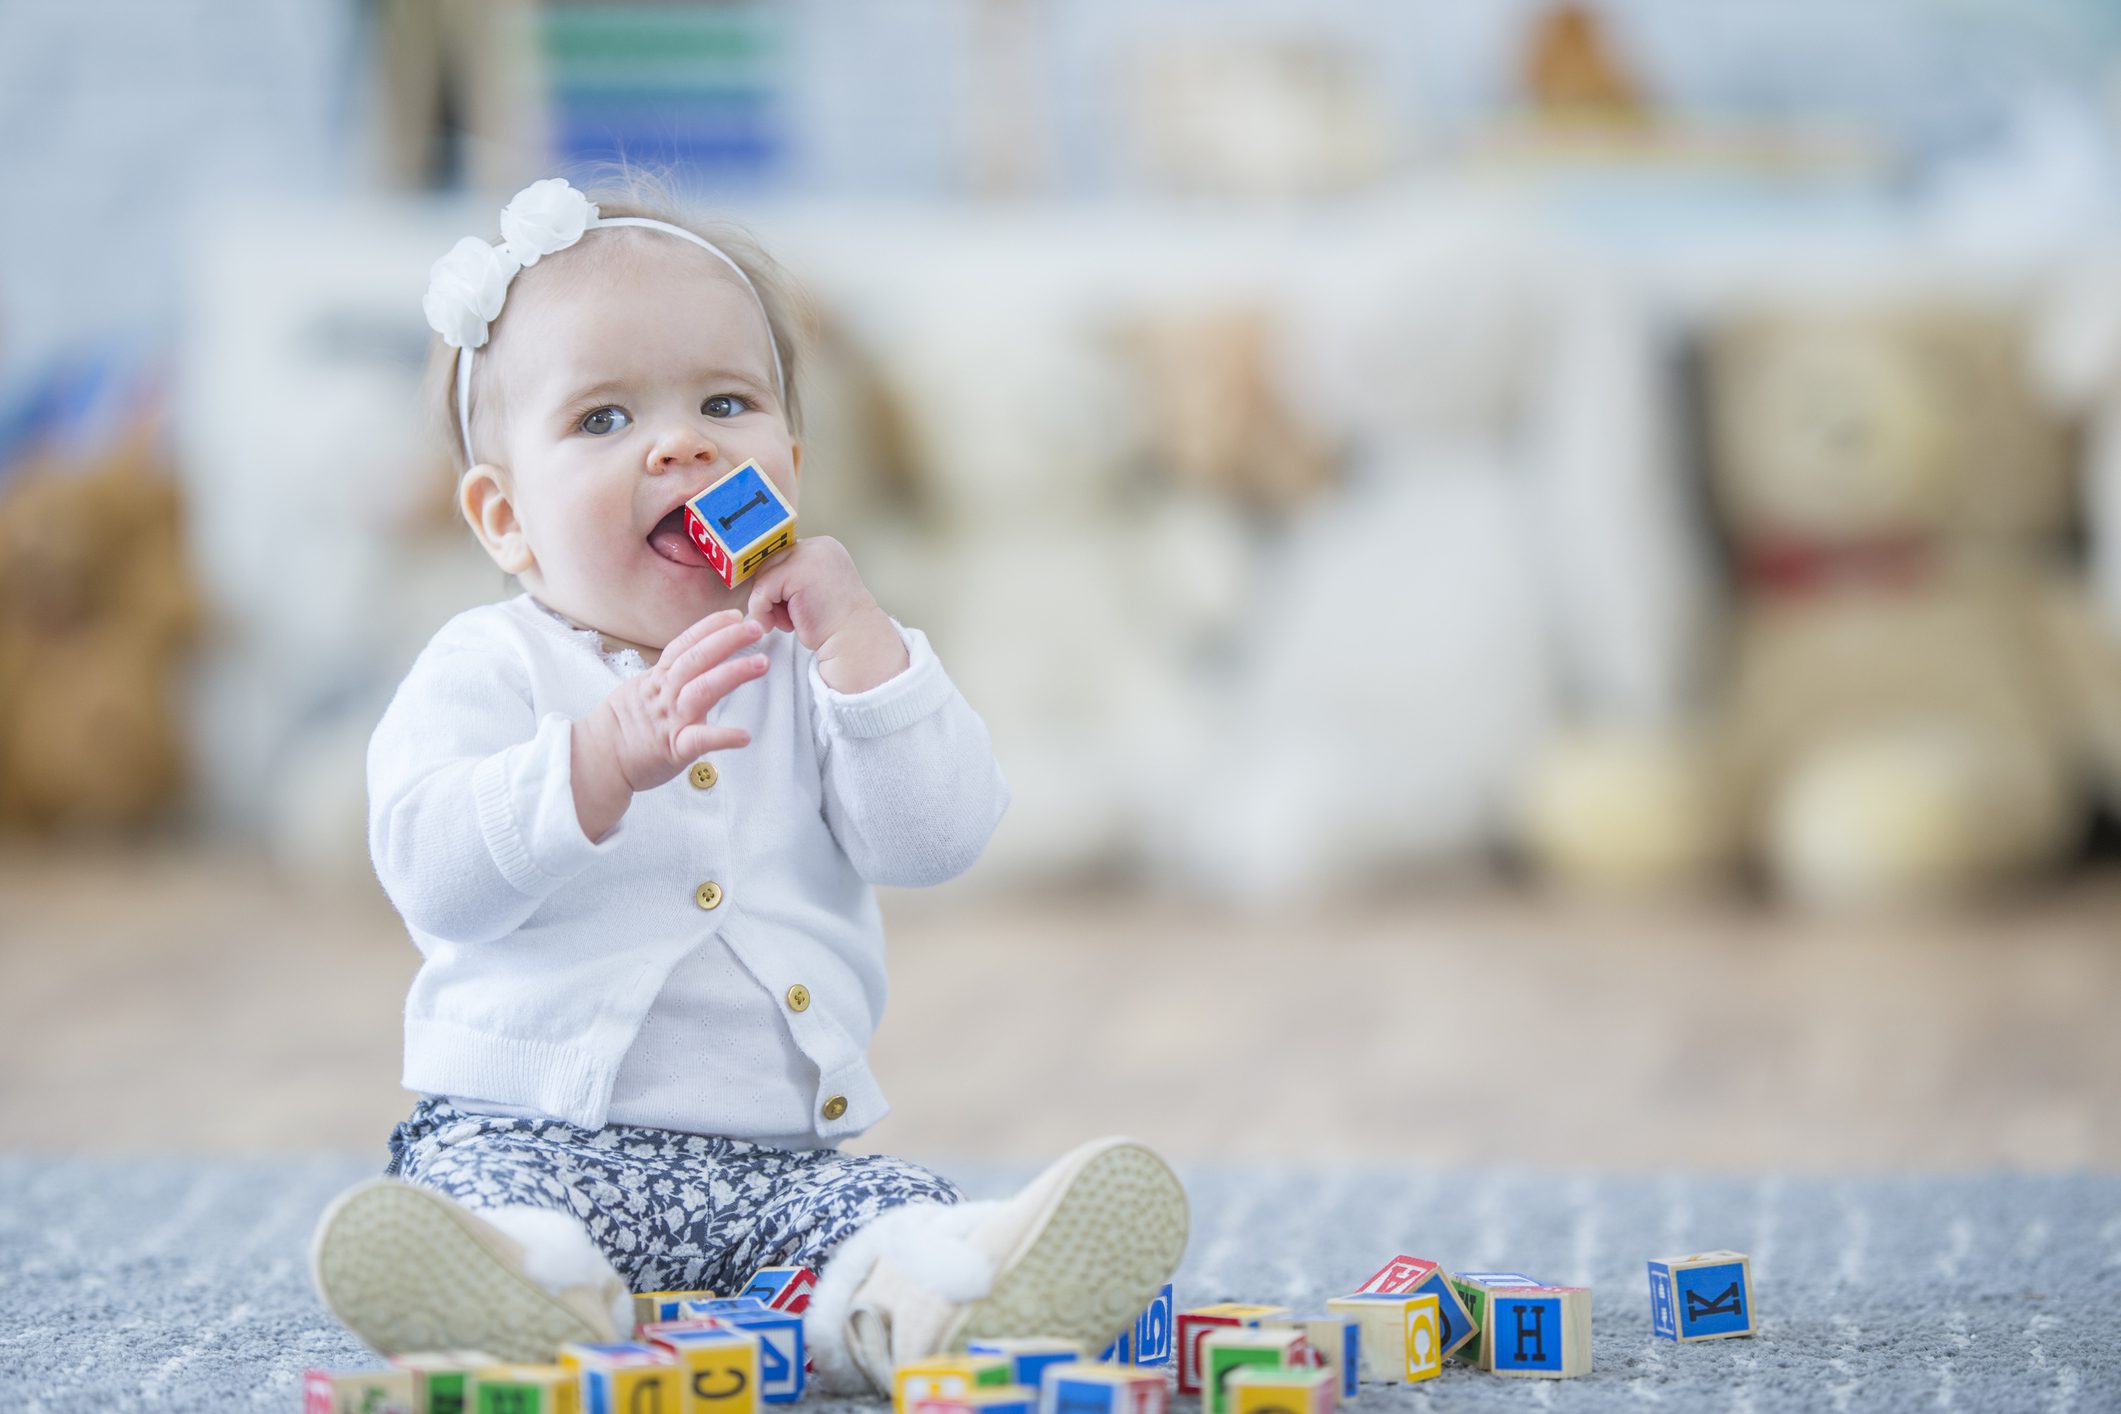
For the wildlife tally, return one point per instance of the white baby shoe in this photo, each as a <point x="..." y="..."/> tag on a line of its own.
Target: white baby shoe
<point x="1078" y="1254"/>
<point x="407" y="1268"/>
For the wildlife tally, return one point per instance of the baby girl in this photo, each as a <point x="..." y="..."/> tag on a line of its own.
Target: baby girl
<point x="632" y="818"/>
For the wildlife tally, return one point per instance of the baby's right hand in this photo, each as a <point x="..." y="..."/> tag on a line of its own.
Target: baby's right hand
<point x="654" y="725"/>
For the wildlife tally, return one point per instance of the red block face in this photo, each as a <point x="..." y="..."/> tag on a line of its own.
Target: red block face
<point x="1146" y="1397"/>
<point x="1398" y="1277"/>
<point x="716" y="556"/>
<point x="1192" y="1330"/>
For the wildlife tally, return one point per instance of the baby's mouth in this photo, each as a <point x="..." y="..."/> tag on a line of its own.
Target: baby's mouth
<point x="669" y="540"/>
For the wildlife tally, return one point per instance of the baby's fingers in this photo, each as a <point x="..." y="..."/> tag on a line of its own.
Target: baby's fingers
<point x="703" y="737"/>
<point x="696" y="697"/>
<point x="675" y="649"/>
<point x="726" y="637"/>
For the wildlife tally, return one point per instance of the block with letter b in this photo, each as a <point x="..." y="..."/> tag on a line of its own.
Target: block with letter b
<point x="1705" y="1296"/>
<point x="1540" y="1332"/>
<point x="1102" y="1389"/>
<point x="739" y="521"/>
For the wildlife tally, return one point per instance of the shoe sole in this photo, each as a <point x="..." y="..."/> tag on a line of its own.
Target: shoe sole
<point x="404" y="1270"/>
<point x="1107" y="1246"/>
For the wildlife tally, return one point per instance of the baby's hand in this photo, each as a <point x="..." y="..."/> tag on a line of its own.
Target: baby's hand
<point x="813" y="590"/>
<point x="654" y="725"/>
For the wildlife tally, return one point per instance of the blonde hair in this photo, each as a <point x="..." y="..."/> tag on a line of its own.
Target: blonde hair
<point x="622" y="189"/>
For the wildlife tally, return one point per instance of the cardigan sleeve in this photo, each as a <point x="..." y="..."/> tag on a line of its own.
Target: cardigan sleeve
<point x="471" y="818"/>
<point x="911" y="787"/>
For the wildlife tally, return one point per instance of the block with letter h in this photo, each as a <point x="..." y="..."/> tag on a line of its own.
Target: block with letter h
<point x="739" y="521"/>
<point x="1539" y="1332"/>
<point x="1471" y="1289"/>
<point x="1705" y="1296"/>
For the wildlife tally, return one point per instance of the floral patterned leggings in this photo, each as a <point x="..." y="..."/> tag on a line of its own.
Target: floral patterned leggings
<point x="673" y="1212"/>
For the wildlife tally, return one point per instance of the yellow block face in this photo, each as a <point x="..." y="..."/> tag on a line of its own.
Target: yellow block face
<point x="641" y="1390"/>
<point x="1257" y="1391"/>
<point x="1424" y="1338"/>
<point x="719" y="1377"/>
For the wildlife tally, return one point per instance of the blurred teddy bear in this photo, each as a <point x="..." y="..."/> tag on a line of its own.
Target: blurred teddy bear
<point x="1898" y="714"/>
<point x="97" y="606"/>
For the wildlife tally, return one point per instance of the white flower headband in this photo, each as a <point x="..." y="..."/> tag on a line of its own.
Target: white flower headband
<point x="466" y="288"/>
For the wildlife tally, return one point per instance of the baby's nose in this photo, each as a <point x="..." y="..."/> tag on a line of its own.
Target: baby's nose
<point x="679" y="448"/>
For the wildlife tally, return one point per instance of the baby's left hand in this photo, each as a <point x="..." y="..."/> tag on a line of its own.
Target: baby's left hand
<point x="812" y="590"/>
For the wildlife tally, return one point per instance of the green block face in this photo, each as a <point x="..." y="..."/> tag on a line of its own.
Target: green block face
<point x="445" y="1392"/>
<point x="999" y="1375"/>
<point x="1221" y="1362"/>
<point x="1476" y="1300"/>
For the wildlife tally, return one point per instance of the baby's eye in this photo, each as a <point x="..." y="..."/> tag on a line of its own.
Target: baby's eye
<point x="598" y="422"/>
<point x="725" y="405"/>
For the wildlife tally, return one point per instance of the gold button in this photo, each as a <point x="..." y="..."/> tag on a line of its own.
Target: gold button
<point x="798" y="998"/>
<point x="708" y="895"/>
<point x="835" y="1107"/>
<point x="704" y="775"/>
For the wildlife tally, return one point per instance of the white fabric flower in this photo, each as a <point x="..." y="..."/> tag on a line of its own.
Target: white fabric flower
<point x="465" y="289"/>
<point x="545" y="216"/>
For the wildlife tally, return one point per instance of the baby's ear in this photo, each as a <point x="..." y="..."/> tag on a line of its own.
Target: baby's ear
<point x="483" y="497"/>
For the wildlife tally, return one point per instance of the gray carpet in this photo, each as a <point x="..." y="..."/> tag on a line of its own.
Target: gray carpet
<point x="182" y="1285"/>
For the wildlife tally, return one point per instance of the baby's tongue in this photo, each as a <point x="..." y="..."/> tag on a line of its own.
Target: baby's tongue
<point x="672" y="543"/>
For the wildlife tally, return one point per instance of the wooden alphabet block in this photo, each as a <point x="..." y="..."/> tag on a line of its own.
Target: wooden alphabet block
<point x="719" y="1368"/>
<point x="1334" y="1341"/>
<point x="782" y="1288"/>
<point x="739" y="521"/>
<point x="358" y="1392"/>
<point x="1198" y="1324"/>
<point x="524" y="1389"/>
<point x="1102" y="1389"/>
<point x="1258" y="1390"/>
<point x="1120" y="1351"/>
<point x="691" y="1309"/>
<point x="782" y="1361"/>
<point x="1472" y="1289"/>
<point x="1152" y="1331"/>
<point x="1418" y="1276"/>
<point x="1030" y="1357"/>
<point x="1539" y="1332"/>
<point x="663" y="1305"/>
<point x="440" y="1377"/>
<point x="625" y="1374"/>
<point x="917" y="1380"/>
<point x="1423" y="1337"/>
<point x="1226" y="1351"/>
<point x="1705" y="1296"/>
<point x="1383" y="1319"/>
<point x="982" y="1399"/>
<point x="1399" y="1277"/>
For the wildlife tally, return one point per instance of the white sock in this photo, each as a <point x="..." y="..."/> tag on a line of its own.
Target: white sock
<point x="559" y="1253"/>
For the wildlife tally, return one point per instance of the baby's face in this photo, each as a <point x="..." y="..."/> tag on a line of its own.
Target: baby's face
<point x="624" y="390"/>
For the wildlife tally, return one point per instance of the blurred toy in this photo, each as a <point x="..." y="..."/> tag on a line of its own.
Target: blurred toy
<point x="720" y="1369"/>
<point x="440" y="1378"/>
<point x="1258" y="1390"/>
<point x="1707" y="1296"/>
<point x="983" y="1399"/>
<point x="1102" y="1389"/>
<point x="358" y="1392"/>
<point x="649" y="1306"/>
<point x="1472" y="1289"/>
<point x="1573" y="72"/>
<point x="98" y="609"/>
<point x="782" y="1288"/>
<point x="1030" y="1357"/>
<point x="1224" y="1352"/>
<point x="629" y="1375"/>
<point x="1334" y="1344"/>
<point x="1894" y="722"/>
<point x="1385" y="1318"/>
<point x="1195" y="1326"/>
<point x="739" y="521"/>
<point x="949" y="1374"/>
<point x="524" y="1389"/>
<point x="782" y="1362"/>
